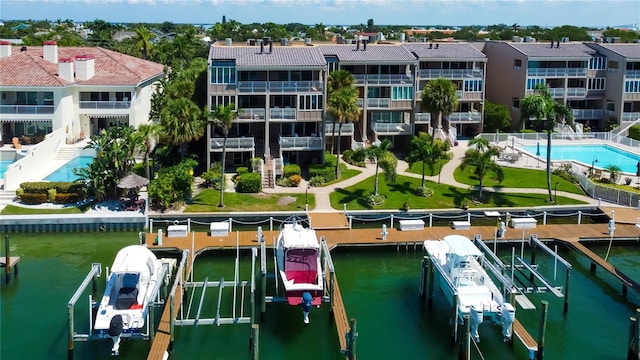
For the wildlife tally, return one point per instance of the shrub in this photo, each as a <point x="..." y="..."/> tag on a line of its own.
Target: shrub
<point x="62" y="198"/>
<point x="424" y="191"/>
<point x="51" y="195"/>
<point x="242" y="170"/>
<point x="249" y="183"/>
<point x="19" y="192"/>
<point x="628" y="180"/>
<point x="356" y="157"/>
<point x="316" y="181"/>
<point x="374" y="200"/>
<point x="634" y="132"/>
<point x="290" y="170"/>
<point x="327" y="173"/>
<point x="33" y="199"/>
<point x="564" y="171"/>
<point x="295" y="180"/>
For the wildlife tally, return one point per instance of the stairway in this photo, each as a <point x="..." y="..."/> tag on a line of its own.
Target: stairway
<point x="6" y="197"/>
<point x="267" y="180"/>
<point x="66" y="153"/>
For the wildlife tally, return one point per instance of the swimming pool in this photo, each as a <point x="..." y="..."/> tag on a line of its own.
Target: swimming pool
<point x="65" y="172"/>
<point x="4" y="164"/>
<point x="604" y="154"/>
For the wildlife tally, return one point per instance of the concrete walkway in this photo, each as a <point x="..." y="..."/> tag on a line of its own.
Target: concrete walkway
<point x="446" y="177"/>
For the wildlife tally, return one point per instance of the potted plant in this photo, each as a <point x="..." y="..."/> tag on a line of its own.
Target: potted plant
<point x="628" y="180"/>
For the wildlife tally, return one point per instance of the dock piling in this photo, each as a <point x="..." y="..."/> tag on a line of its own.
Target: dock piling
<point x="542" y="329"/>
<point x="255" y="335"/>
<point x="7" y="260"/>
<point x="633" y="350"/>
<point x="465" y="344"/>
<point x="454" y="319"/>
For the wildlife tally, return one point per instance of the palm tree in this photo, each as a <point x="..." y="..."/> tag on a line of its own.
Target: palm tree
<point x="438" y="98"/>
<point x="143" y="41"/>
<point x="384" y="158"/>
<point x="481" y="157"/>
<point x="147" y="134"/>
<point x="182" y="121"/>
<point x="343" y="106"/>
<point x="223" y="117"/>
<point x="541" y="106"/>
<point x="614" y="171"/>
<point x="420" y="149"/>
<point x="337" y="80"/>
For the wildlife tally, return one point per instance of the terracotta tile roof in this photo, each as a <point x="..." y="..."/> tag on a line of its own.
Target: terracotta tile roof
<point x="29" y="68"/>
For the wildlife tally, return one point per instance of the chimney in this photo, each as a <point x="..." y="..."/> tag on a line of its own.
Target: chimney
<point x="5" y="48"/>
<point x="261" y="46"/>
<point x="65" y="69"/>
<point x="50" y="51"/>
<point x="364" y="45"/>
<point x="85" y="66"/>
<point x="558" y="44"/>
<point x="552" y="43"/>
<point x="270" y="47"/>
<point x="358" y="43"/>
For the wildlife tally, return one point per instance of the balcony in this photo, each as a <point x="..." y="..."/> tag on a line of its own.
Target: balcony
<point x="423" y="118"/>
<point x="557" y="72"/>
<point x="282" y="114"/>
<point x="469" y="117"/>
<point x="26" y="109"/>
<point x="380" y="103"/>
<point x="252" y="114"/>
<point x="450" y="74"/>
<point x="391" y="128"/>
<point x="632" y="74"/>
<point x="630" y="116"/>
<point x="301" y="143"/>
<point x="389" y="79"/>
<point x="583" y="114"/>
<point x="576" y="92"/>
<point x="279" y="86"/>
<point x="105" y="104"/>
<point x="347" y="129"/>
<point x="233" y="144"/>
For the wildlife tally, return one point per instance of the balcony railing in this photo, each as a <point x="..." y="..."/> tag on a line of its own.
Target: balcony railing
<point x="282" y="114"/>
<point x="450" y="74"/>
<point x="557" y="72"/>
<point x="360" y="103"/>
<point x="630" y="116"/>
<point x="576" y="92"/>
<point x="105" y="104"/>
<point x="301" y="143"/>
<point x="465" y="117"/>
<point x="26" y="109"/>
<point x="252" y="114"/>
<point x="632" y="74"/>
<point x="391" y="128"/>
<point x="389" y="79"/>
<point x="347" y="129"/>
<point x="423" y="117"/>
<point x="279" y="86"/>
<point x="379" y="103"/>
<point x="588" y="113"/>
<point x="245" y="143"/>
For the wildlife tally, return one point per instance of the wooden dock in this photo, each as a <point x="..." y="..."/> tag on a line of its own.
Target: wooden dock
<point x="162" y="338"/>
<point x="12" y="264"/>
<point x="336" y="235"/>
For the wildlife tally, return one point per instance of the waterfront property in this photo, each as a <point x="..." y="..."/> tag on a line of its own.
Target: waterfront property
<point x="598" y="156"/>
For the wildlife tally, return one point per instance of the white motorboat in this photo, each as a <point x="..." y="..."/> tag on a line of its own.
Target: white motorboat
<point x="133" y="281"/>
<point x="298" y="258"/>
<point x="459" y="271"/>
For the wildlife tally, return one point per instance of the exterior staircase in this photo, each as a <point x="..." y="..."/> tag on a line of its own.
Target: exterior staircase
<point x="6" y="197"/>
<point x="66" y="153"/>
<point x="267" y="180"/>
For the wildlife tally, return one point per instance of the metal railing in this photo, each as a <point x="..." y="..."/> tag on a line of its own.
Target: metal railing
<point x="609" y="194"/>
<point x="232" y="143"/>
<point x="392" y="128"/>
<point x="26" y="109"/>
<point x="105" y="104"/>
<point x="347" y="129"/>
<point x="379" y="103"/>
<point x="450" y="74"/>
<point x="301" y="143"/>
<point x="630" y="116"/>
<point x="557" y="72"/>
<point x="280" y="86"/>
<point x="540" y="136"/>
<point x="286" y="113"/>
<point x="465" y="117"/>
<point x="252" y="114"/>
<point x="587" y="113"/>
<point x="579" y="92"/>
<point x="423" y="117"/>
<point x="632" y="74"/>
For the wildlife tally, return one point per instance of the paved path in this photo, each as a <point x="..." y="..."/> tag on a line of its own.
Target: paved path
<point x="446" y="177"/>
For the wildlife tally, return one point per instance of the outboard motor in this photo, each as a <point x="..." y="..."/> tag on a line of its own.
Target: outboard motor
<point x="508" y="314"/>
<point x="307" y="300"/>
<point x="477" y="317"/>
<point x="115" y="330"/>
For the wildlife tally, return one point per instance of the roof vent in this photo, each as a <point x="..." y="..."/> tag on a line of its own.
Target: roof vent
<point x="430" y="46"/>
<point x="558" y="44"/>
<point x="364" y="45"/>
<point x="437" y="46"/>
<point x="24" y="48"/>
<point x="552" y="40"/>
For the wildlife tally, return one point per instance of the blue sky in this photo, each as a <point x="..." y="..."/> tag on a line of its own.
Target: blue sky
<point x="600" y="13"/>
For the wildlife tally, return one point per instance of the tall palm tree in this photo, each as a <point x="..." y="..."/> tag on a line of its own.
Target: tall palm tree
<point x="420" y="149"/>
<point x="541" y="106"/>
<point x="337" y="80"/>
<point x="223" y="117"/>
<point x="182" y="121"/>
<point x="343" y="106"/>
<point x="384" y="158"/>
<point x="147" y="134"/>
<point x="438" y="98"/>
<point x="143" y="41"/>
<point x="481" y="157"/>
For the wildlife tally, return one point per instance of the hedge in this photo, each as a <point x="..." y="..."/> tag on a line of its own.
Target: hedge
<point x="62" y="198"/>
<point x="634" y="132"/>
<point x="249" y="183"/>
<point x="33" y="199"/>
<point x="290" y="170"/>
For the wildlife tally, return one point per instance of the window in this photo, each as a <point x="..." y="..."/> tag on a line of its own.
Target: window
<point x="596" y="84"/>
<point x="473" y="85"/>
<point x="517" y="64"/>
<point x="597" y="63"/>
<point x="223" y="72"/>
<point x="402" y="93"/>
<point x="632" y="86"/>
<point x="386" y="117"/>
<point x="532" y="83"/>
<point x="311" y="102"/>
<point x="222" y="100"/>
<point x="515" y="104"/>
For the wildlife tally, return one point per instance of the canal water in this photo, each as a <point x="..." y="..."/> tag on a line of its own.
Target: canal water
<point x="379" y="288"/>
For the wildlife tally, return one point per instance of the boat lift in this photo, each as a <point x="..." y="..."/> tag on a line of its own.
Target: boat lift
<point x="149" y="314"/>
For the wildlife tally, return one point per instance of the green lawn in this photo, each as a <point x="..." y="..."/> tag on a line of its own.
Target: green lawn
<point x="344" y="175"/>
<point x="208" y="200"/>
<point x="516" y="178"/>
<point x="416" y="168"/>
<point x="19" y="210"/>
<point x="445" y="196"/>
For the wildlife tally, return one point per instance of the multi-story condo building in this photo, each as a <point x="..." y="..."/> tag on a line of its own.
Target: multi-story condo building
<point x="279" y="93"/>
<point x="619" y="68"/>
<point x="461" y="63"/>
<point x="574" y="73"/>
<point x="384" y="77"/>
<point x="79" y="89"/>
